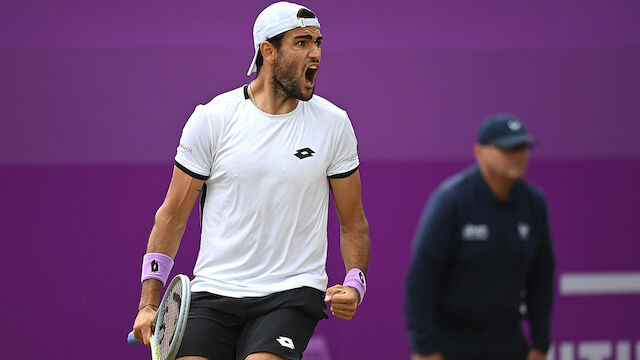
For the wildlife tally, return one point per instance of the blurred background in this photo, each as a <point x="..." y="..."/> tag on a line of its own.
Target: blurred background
<point x="94" y="95"/>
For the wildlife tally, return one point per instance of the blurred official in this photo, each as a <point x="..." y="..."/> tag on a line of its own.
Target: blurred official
<point x="482" y="258"/>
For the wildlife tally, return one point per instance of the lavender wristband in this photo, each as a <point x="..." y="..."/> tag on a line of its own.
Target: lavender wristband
<point x="355" y="279"/>
<point x="156" y="266"/>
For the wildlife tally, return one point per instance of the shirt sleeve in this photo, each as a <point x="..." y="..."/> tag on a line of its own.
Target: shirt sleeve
<point x="195" y="152"/>
<point x="540" y="288"/>
<point x="431" y="249"/>
<point x="345" y="159"/>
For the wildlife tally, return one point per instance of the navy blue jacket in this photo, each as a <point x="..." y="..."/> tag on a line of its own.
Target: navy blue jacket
<point x="476" y="262"/>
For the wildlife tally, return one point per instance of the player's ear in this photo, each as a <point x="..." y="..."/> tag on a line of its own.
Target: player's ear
<point x="269" y="52"/>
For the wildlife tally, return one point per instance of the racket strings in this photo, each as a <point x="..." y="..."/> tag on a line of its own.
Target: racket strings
<point x="171" y="312"/>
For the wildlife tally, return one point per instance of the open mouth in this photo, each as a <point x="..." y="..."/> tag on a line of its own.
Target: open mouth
<point x="310" y="74"/>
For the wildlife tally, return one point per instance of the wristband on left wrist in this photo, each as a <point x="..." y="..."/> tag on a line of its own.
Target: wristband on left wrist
<point x="355" y="278"/>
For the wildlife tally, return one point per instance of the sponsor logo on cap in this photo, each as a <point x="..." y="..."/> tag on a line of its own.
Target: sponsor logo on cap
<point x="514" y="125"/>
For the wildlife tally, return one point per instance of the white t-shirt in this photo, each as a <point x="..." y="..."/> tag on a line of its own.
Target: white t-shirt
<point x="264" y="218"/>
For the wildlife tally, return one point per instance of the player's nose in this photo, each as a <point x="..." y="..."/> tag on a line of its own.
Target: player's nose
<point x="315" y="53"/>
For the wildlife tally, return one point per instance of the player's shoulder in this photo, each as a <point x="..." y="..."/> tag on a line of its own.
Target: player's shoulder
<point x="218" y="109"/>
<point x="222" y="104"/>
<point x="227" y="99"/>
<point x="326" y="107"/>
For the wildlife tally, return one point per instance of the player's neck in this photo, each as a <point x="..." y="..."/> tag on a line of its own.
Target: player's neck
<point x="269" y="99"/>
<point x="499" y="185"/>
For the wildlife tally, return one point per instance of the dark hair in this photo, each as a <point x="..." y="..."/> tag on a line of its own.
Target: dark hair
<point x="276" y="41"/>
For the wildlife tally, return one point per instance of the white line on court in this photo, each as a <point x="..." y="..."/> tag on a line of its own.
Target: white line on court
<point x="601" y="283"/>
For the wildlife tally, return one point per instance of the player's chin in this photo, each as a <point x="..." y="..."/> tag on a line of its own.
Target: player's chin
<point x="306" y="94"/>
<point x="307" y="88"/>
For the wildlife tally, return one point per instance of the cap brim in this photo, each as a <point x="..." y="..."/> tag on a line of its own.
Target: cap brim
<point x="511" y="141"/>
<point x="253" y="68"/>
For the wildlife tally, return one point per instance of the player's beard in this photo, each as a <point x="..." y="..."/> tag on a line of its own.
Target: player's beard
<point x="287" y="81"/>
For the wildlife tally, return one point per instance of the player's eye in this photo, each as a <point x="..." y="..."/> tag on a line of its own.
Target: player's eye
<point x="300" y="43"/>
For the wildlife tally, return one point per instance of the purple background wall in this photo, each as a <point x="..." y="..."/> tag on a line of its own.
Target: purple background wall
<point x="93" y="97"/>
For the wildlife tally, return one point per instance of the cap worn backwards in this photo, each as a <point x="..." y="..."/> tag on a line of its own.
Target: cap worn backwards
<point x="504" y="131"/>
<point x="276" y="19"/>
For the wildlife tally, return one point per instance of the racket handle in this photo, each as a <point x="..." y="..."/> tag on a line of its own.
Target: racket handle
<point x="132" y="340"/>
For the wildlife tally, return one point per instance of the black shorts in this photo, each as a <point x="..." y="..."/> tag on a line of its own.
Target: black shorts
<point x="515" y="356"/>
<point x="226" y="328"/>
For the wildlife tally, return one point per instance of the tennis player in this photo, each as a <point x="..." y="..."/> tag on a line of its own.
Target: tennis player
<point x="262" y="159"/>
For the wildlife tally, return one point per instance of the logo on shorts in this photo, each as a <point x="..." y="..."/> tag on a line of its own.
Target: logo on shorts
<point x="154" y="266"/>
<point x="286" y="342"/>
<point x="304" y="153"/>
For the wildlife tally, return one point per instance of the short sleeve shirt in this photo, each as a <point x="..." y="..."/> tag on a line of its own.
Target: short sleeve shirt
<point x="264" y="216"/>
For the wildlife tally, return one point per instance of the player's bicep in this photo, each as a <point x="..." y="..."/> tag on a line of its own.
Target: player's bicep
<point x="347" y="197"/>
<point x="183" y="191"/>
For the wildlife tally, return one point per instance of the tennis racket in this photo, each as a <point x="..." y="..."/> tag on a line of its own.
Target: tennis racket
<point x="170" y="320"/>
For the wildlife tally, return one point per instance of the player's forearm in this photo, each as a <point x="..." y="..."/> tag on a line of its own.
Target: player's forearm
<point x="355" y="246"/>
<point x="151" y="292"/>
<point x="168" y="228"/>
<point x="167" y="231"/>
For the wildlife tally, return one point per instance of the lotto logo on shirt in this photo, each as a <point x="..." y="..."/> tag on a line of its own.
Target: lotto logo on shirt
<point x="473" y="232"/>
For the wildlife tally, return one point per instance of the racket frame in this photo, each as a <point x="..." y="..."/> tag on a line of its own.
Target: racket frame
<point x="182" y="319"/>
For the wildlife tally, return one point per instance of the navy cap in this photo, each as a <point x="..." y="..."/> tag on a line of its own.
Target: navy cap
<point x="504" y="131"/>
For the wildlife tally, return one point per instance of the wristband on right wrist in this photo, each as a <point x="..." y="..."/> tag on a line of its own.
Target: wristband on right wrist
<point x="156" y="266"/>
<point x="355" y="279"/>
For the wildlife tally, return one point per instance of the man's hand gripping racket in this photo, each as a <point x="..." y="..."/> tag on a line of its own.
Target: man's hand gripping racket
<point x="169" y="322"/>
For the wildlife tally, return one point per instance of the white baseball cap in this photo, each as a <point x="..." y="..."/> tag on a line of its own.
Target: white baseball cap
<point x="276" y="19"/>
